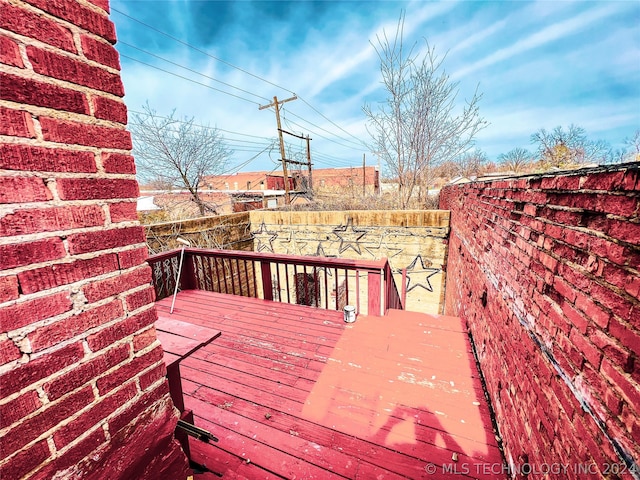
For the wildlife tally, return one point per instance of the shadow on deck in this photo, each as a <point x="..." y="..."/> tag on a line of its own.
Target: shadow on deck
<point x="293" y="392"/>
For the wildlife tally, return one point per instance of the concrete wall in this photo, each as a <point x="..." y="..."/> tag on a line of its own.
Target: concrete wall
<point x="82" y="386"/>
<point x="415" y="240"/>
<point x="229" y="232"/>
<point x="544" y="269"/>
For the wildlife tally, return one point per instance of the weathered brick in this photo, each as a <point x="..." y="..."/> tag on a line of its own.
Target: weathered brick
<point x="627" y="387"/>
<point x="564" y="289"/>
<point x="79" y="15"/>
<point x="10" y="52"/>
<point x="149" y="378"/>
<point x="120" y="421"/>
<point x="25" y="461"/>
<point x="613" y="350"/>
<point x="95" y="415"/>
<point x="144" y="339"/>
<point x="30" y="158"/>
<point x="140" y="299"/>
<point x="86" y="371"/>
<point x="51" y="276"/>
<point x="15" y="123"/>
<point x="592" y="310"/>
<point x="42" y="94"/>
<point x="74" y="70"/>
<point x="123" y="212"/>
<point x="126" y="327"/>
<point x="607" y="181"/>
<point x="627" y="231"/>
<point x="133" y="257"/>
<point x="23" y="190"/>
<point x="610" y="299"/>
<point x="48" y="418"/>
<point x="100" y="289"/>
<point x="617" y="204"/>
<point x="109" y="109"/>
<point x="39" y="368"/>
<point x="118" y="163"/>
<point x="18" y="408"/>
<point x="100" y="51"/>
<point x="129" y="370"/>
<point x="625" y="334"/>
<point x="26" y="221"/>
<point x="106" y="239"/>
<point x="96" y="188"/>
<point x="73" y="133"/>
<point x="69" y="327"/>
<point x="32" y="25"/>
<point x="83" y="451"/>
<point x="8" y="288"/>
<point x="24" y="313"/>
<point x="586" y="348"/>
<point x="8" y="351"/>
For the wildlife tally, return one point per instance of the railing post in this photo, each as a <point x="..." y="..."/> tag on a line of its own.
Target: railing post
<point x="188" y="277"/>
<point x="374" y="305"/>
<point x="267" y="287"/>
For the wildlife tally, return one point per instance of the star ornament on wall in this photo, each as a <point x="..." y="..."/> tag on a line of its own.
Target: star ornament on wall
<point x="419" y="272"/>
<point x="349" y="237"/>
<point x="294" y="246"/>
<point x="265" y="244"/>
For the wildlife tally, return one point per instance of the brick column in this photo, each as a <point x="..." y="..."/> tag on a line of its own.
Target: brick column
<point x="82" y="387"/>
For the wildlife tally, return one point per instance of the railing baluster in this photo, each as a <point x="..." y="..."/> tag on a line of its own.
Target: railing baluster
<point x="326" y="289"/>
<point x="357" y="291"/>
<point x="286" y="278"/>
<point x="278" y="279"/>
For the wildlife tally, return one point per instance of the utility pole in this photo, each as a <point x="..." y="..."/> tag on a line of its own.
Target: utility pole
<point x="309" y="165"/>
<point x="364" y="175"/>
<point x="277" y="104"/>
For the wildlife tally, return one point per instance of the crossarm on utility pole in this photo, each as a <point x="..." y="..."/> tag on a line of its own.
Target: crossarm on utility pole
<point x="277" y="104"/>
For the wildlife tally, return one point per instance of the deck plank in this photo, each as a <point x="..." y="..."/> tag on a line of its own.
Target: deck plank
<point x="304" y="395"/>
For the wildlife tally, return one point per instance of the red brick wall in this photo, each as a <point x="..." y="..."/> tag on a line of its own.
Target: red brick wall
<point x="544" y="269"/>
<point x="82" y="388"/>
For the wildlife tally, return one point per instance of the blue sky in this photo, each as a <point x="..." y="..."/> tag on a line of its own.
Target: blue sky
<point x="537" y="64"/>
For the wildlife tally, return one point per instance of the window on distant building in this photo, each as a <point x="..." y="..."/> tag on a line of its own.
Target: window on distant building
<point x="235" y="185"/>
<point x="226" y="185"/>
<point x="248" y="185"/>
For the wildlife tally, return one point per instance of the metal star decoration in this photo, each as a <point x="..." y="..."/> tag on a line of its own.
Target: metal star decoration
<point x="349" y="237"/>
<point x="294" y="246"/>
<point x="261" y="241"/>
<point x="416" y="270"/>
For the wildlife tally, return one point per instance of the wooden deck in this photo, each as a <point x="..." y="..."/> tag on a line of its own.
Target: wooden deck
<point x="294" y="392"/>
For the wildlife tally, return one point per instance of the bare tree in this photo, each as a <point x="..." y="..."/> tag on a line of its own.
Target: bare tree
<point x="633" y="147"/>
<point x="471" y="163"/>
<point x="419" y="125"/>
<point x="565" y="148"/>
<point x="516" y="160"/>
<point x="177" y="152"/>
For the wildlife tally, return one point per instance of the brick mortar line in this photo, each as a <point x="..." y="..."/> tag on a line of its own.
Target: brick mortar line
<point x="27" y="297"/>
<point x="73" y="87"/>
<point x="30" y="237"/>
<point x="81" y="256"/>
<point x="9" y="208"/>
<point x="67" y="147"/>
<point x="58" y="20"/>
<point x="53" y="175"/>
<point x="76" y="33"/>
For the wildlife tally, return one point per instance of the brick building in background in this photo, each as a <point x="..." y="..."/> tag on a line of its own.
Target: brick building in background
<point x="82" y="382"/>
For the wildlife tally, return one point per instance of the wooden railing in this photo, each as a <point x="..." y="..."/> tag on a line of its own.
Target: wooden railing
<point x="329" y="283"/>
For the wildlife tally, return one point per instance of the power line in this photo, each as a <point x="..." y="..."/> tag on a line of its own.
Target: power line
<point x="191" y="70"/>
<point x="201" y="51"/>
<point x="188" y="79"/>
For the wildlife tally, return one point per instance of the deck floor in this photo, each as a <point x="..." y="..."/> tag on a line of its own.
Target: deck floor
<point x="294" y="392"/>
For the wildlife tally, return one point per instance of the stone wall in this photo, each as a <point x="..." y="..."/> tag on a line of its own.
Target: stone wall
<point x="545" y="271"/>
<point x="415" y="240"/>
<point x="83" y="392"/>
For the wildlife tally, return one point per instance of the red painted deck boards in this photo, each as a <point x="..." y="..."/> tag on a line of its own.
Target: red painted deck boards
<point x="294" y="392"/>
